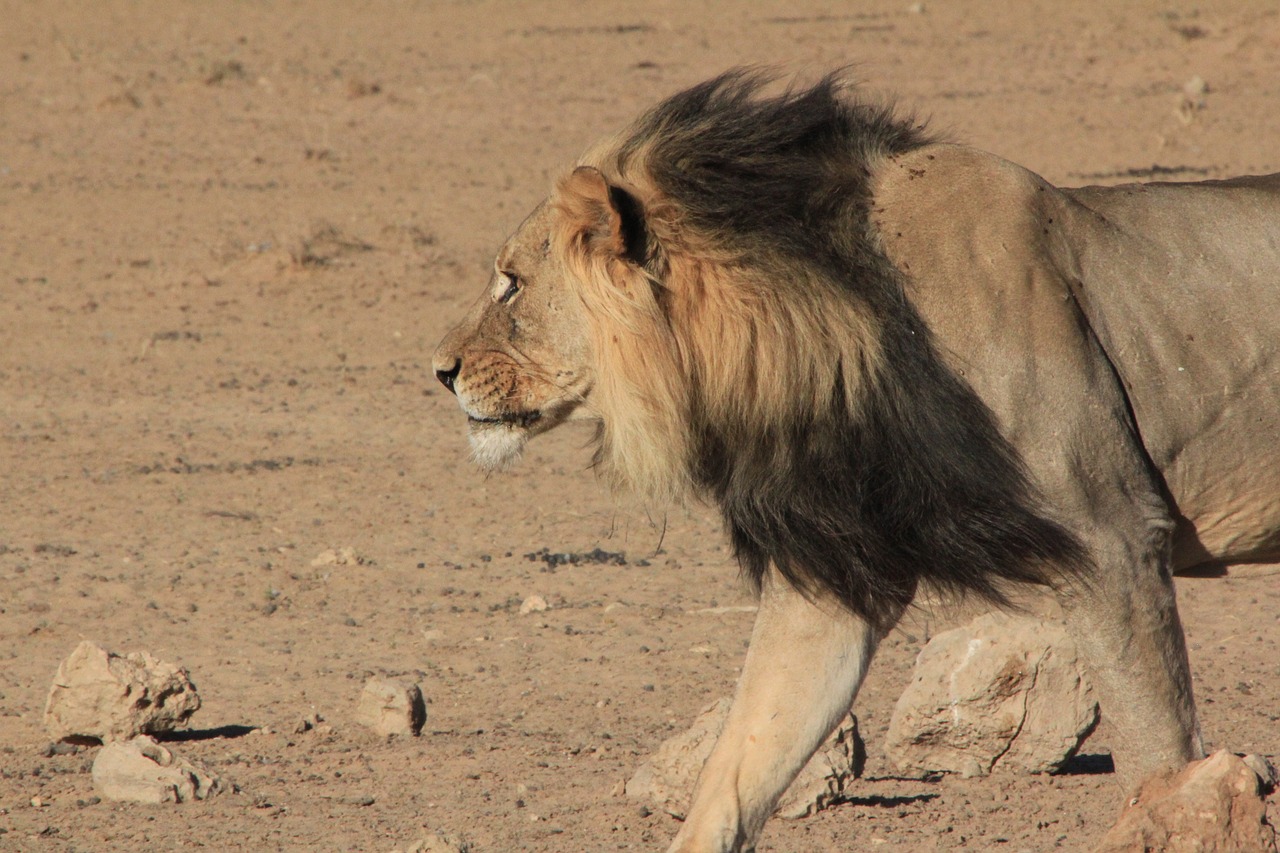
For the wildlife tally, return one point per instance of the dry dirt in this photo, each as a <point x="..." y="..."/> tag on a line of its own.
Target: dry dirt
<point x="230" y="237"/>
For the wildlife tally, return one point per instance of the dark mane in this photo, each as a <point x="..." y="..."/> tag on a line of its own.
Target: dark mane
<point x="860" y="499"/>
<point x="774" y="170"/>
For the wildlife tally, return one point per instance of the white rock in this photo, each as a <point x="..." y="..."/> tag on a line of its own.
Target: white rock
<point x="667" y="779"/>
<point x="1195" y="87"/>
<point x="99" y="694"/>
<point x="533" y="604"/>
<point x="391" y="707"/>
<point x="999" y="691"/>
<point x="338" y="557"/>
<point x="1216" y="804"/>
<point x="143" y="771"/>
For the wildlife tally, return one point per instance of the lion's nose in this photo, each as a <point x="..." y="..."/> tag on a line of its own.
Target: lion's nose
<point x="447" y="377"/>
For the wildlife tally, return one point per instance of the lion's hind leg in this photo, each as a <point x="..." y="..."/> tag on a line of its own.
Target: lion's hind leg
<point x="806" y="662"/>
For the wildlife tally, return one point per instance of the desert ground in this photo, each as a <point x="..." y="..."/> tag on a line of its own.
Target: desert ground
<point x="231" y="235"/>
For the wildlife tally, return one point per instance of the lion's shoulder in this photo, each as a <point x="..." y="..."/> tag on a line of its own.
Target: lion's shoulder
<point x="978" y="239"/>
<point x="952" y="192"/>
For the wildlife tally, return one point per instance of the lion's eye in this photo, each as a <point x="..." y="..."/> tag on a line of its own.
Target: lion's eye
<point x="508" y="287"/>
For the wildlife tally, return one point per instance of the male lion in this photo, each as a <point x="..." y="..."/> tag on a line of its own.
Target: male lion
<point x="893" y="362"/>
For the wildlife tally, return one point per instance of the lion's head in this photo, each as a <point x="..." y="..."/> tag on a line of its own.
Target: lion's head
<point x="572" y="326"/>
<point x="520" y="362"/>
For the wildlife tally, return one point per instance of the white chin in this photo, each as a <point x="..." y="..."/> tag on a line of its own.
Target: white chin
<point x="496" y="447"/>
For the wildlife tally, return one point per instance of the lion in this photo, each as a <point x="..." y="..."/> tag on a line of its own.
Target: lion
<point x="896" y="363"/>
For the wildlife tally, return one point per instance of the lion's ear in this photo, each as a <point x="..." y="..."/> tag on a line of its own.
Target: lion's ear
<point x="607" y="219"/>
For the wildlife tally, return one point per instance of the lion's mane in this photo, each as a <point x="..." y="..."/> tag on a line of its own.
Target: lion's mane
<point x="755" y="346"/>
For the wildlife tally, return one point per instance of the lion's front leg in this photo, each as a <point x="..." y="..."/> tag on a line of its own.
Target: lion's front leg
<point x="1124" y="619"/>
<point x="806" y="662"/>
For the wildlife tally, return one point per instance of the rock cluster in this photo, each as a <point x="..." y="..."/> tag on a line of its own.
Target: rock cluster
<point x="120" y="700"/>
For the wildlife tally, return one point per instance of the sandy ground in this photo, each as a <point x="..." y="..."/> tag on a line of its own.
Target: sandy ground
<point x="230" y="237"/>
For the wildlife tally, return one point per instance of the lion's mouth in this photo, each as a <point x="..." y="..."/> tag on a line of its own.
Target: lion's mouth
<point x="524" y="420"/>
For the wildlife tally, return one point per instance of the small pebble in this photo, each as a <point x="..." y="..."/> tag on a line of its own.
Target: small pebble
<point x="533" y="604"/>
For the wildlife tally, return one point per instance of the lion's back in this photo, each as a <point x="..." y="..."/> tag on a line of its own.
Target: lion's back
<point x="1182" y="284"/>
